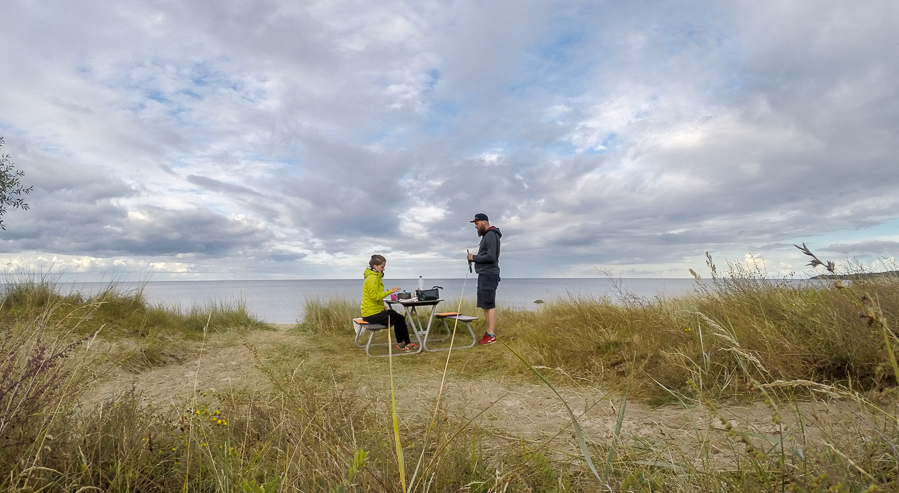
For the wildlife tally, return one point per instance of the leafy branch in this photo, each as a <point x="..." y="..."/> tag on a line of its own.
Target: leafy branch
<point x="11" y="189"/>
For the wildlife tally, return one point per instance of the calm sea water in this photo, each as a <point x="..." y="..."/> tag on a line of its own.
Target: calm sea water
<point x="282" y="301"/>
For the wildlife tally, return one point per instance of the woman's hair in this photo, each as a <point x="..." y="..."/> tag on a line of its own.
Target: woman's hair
<point x="376" y="260"/>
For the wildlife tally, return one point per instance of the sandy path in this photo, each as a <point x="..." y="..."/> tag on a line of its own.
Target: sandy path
<point x="513" y="411"/>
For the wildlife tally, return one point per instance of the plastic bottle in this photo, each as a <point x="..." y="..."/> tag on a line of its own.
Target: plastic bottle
<point x="421" y="283"/>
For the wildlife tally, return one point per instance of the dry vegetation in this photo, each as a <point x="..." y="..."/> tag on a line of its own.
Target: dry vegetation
<point x="328" y="418"/>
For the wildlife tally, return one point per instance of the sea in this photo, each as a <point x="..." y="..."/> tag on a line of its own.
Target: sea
<point x="281" y="301"/>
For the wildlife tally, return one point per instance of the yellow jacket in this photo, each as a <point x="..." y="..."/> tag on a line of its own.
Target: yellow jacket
<point x="373" y="293"/>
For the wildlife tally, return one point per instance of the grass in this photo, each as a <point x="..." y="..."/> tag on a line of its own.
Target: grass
<point x="120" y="312"/>
<point x="156" y="334"/>
<point x="327" y="419"/>
<point x="785" y="332"/>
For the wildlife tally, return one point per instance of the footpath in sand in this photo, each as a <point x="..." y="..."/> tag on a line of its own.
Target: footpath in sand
<point x="511" y="409"/>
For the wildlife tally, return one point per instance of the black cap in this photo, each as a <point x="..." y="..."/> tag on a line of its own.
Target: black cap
<point x="480" y="216"/>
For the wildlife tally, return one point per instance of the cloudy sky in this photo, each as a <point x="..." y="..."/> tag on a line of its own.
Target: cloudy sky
<point x="292" y="139"/>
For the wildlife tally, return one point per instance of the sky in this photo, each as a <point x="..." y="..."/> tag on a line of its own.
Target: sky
<point x="220" y="140"/>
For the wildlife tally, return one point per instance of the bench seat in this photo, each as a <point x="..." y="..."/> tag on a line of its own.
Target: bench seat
<point x="457" y="317"/>
<point x="361" y="327"/>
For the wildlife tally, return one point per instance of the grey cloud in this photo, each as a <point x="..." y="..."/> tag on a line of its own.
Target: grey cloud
<point x="219" y="186"/>
<point x="875" y="247"/>
<point x="332" y="212"/>
<point x="167" y="232"/>
<point x="726" y="127"/>
<point x="158" y="232"/>
<point x="278" y="255"/>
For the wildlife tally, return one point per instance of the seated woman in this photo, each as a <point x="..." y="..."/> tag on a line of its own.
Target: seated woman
<point x="373" y="312"/>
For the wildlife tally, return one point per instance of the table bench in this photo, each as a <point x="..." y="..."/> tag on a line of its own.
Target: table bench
<point x="457" y="317"/>
<point x="361" y="327"/>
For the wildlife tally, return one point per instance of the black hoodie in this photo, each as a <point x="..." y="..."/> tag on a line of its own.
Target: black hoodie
<point x="487" y="259"/>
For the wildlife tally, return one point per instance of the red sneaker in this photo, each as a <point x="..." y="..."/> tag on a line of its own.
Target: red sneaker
<point x="487" y="339"/>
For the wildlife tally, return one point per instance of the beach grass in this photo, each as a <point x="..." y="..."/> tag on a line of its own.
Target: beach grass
<point x="325" y="420"/>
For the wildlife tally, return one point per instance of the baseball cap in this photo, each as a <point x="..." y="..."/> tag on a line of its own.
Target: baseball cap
<point x="480" y="216"/>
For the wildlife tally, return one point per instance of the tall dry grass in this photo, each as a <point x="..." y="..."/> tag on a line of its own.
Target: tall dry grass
<point x="783" y="330"/>
<point x="742" y="338"/>
<point x="157" y="333"/>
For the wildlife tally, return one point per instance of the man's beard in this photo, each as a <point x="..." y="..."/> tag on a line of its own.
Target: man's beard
<point x="482" y="230"/>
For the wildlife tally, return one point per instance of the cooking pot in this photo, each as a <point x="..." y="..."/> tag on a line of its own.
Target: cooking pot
<point x="404" y="296"/>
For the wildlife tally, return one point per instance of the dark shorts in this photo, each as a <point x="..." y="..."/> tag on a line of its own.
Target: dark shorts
<point x="487" y="284"/>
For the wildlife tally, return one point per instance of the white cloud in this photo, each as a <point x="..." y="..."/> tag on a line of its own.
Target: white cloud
<point x="277" y="139"/>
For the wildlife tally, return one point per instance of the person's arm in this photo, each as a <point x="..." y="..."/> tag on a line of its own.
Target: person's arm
<point x="371" y="289"/>
<point x="489" y="255"/>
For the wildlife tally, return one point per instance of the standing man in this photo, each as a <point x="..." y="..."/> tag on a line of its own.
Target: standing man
<point x="486" y="265"/>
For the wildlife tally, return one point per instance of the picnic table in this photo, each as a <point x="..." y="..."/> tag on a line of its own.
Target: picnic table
<point x="423" y="331"/>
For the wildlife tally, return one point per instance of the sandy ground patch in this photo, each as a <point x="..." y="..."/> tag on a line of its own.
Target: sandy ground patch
<point x="513" y="411"/>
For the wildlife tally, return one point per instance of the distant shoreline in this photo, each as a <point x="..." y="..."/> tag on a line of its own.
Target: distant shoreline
<point x="860" y="276"/>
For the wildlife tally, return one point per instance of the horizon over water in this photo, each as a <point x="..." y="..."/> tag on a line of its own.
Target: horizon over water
<point x="281" y="301"/>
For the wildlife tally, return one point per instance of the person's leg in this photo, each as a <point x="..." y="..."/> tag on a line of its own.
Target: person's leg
<point x="490" y="318"/>
<point x="379" y="318"/>
<point x="399" y="326"/>
<point x="394" y="319"/>
<point x="487" y="284"/>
